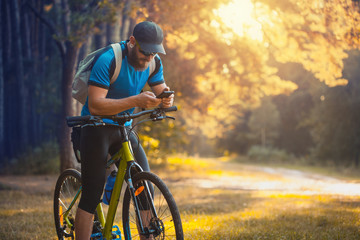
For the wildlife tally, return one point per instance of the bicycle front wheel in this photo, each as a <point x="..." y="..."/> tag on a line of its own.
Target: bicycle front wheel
<point x="67" y="188"/>
<point x="164" y="222"/>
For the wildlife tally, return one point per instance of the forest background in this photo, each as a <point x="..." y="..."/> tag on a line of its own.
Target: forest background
<point x="273" y="80"/>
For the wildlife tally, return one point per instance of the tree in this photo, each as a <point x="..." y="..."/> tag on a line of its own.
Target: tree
<point x="17" y="48"/>
<point x="264" y="123"/>
<point x="219" y="77"/>
<point x="294" y="110"/>
<point x="315" y="34"/>
<point x="2" y="102"/>
<point x="335" y="118"/>
<point x="71" y="23"/>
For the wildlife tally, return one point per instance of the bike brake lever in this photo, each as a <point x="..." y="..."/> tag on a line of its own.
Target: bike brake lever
<point x="158" y="118"/>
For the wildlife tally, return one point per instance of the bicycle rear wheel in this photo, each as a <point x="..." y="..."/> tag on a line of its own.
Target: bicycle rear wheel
<point x="67" y="187"/>
<point x="167" y="223"/>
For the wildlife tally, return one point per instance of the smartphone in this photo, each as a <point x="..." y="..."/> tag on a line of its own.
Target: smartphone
<point x="165" y="94"/>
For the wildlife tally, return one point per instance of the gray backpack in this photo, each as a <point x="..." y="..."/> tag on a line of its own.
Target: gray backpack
<point x="82" y="75"/>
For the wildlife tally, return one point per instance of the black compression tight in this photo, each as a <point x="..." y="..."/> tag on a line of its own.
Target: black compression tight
<point x="96" y="143"/>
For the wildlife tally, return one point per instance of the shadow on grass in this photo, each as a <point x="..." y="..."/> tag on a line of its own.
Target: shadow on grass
<point x="212" y="201"/>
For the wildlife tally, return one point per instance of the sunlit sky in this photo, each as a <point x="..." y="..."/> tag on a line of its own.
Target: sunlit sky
<point x="239" y="16"/>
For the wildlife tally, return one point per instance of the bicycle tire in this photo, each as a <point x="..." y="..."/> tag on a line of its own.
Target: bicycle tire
<point x="167" y="211"/>
<point x="67" y="185"/>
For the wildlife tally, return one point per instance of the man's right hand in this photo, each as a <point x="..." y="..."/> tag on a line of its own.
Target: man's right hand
<point x="147" y="100"/>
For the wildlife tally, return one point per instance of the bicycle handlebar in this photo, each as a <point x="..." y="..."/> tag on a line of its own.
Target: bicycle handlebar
<point x="155" y="114"/>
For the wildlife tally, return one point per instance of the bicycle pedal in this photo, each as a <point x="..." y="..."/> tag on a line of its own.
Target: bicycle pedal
<point x="116" y="233"/>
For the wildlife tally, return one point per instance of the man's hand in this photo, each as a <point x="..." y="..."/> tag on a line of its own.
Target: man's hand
<point x="167" y="102"/>
<point x="147" y="100"/>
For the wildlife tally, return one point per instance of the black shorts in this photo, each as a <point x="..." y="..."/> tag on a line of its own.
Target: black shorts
<point x="95" y="145"/>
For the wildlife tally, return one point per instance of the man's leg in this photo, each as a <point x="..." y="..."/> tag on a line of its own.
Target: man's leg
<point x="83" y="224"/>
<point x="141" y="159"/>
<point x="139" y="153"/>
<point x="94" y="149"/>
<point x="145" y="219"/>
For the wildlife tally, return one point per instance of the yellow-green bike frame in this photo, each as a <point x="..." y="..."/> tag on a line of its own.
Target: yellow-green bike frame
<point x="126" y="158"/>
<point x="127" y="168"/>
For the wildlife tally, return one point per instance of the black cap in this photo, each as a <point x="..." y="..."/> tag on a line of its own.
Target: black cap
<point x="150" y="36"/>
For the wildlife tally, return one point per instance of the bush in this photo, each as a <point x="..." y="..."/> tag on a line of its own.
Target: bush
<point x="40" y="160"/>
<point x="268" y="154"/>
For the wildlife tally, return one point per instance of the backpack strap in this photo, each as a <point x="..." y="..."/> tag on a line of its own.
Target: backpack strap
<point x="118" y="60"/>
<point x="152" y="66"/>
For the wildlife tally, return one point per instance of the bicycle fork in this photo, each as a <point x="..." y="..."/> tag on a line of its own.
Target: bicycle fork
<point x="145" y="189"/>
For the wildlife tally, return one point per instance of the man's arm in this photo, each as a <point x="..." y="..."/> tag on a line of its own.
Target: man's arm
<point x="165" y="102"/>
<point x="100" y="105"/>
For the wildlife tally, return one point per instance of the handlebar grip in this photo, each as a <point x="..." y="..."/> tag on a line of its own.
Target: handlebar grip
<point x="77" y="120"/>
<point x="170" y="109"/>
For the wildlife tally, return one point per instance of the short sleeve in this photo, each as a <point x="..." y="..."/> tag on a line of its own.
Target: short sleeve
<point x="100" y="72"/>
<point x="157" y="77"/>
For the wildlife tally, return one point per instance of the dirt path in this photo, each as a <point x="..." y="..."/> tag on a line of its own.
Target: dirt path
<point x="29" y="184"/>
<point x="227" y="176"/>
<point x="278" y="179"/>
<point x="248" y="177"/>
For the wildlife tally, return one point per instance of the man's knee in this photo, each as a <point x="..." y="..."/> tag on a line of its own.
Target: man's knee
<point x="91" y="194"/>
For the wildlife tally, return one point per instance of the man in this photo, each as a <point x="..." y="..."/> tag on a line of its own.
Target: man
<point x="105" y="99"/>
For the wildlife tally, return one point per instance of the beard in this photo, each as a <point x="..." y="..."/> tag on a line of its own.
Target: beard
<point x="140" y="64"/>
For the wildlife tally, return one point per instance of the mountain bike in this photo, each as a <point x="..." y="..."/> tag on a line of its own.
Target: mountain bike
<point x="144" y="192"/>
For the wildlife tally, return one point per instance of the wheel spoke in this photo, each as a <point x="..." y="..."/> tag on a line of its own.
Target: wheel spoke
<point x="163" y="202"/>
<point x="67" y="188"/>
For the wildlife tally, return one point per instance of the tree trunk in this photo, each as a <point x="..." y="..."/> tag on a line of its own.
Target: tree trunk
<point x="109" y="32"/>
<point x="19" y="73"/>
<point x="41" y="63"/>
<point x="66" y="151"/>
<point x="126" y="21"/>
<point x="10" y="130"/>
<point x="263" y="137"/>
<point x="30" y="54"/>
<point x="2" y="103"/>
<point x="100" y="38"/>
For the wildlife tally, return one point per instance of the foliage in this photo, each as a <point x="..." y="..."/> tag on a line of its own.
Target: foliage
<point x="238" y="138"/>
<point x="294" y="110"/>
<point x="155" y="139"/>
<point x="225" y="77"/>
<point x="40" y="160"/>
<point x="264" y="122"/>
<point x="268" y="155"/>
<point x="76" y="20"/>
<point x="311" y="33"/>
<point x="335" y="118"/>
<point x="287" y="57"/>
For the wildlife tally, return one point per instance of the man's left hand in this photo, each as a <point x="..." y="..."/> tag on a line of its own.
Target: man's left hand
<point x="167" y="102"/>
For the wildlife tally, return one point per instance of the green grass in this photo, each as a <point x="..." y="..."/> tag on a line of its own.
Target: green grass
<point x="240" y="214"/>
<point x="220" y="214"/>
<point x="208" y="213"/>
<point x="26" y="216"/>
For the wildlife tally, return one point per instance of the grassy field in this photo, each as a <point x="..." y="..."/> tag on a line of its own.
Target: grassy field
<point x="209" y="211"/>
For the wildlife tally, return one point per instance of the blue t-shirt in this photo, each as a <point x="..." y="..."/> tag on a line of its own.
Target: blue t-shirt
<point x="130" y="82"/>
